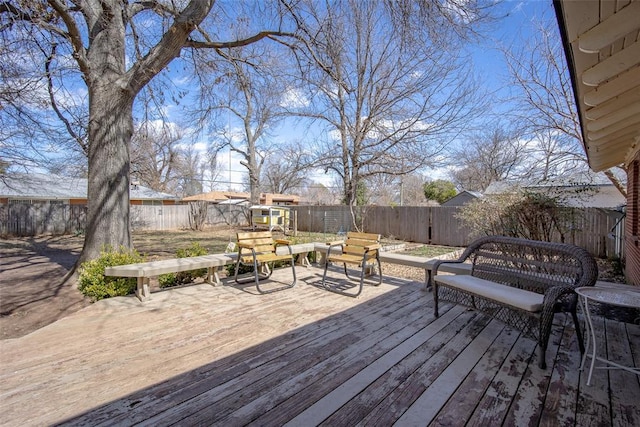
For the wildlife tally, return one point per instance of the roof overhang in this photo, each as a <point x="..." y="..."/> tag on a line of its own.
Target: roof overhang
<point x="602" y="45"/>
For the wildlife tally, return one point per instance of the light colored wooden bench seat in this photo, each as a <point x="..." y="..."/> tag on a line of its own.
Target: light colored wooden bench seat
<point x="424" y="263"/>
<point x="520" y="282"/>
<point x="508" y="295"/>
<point x="144" y="271"/>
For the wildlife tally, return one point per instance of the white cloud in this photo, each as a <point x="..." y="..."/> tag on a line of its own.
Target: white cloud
<point x="294" y="98"/>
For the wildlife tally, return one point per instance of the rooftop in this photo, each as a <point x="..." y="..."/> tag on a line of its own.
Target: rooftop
<point x="52" y="187"/>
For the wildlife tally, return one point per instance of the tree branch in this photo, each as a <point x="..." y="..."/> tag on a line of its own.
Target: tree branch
<point x="54" y="104"/>
<point x="73" y="35"/>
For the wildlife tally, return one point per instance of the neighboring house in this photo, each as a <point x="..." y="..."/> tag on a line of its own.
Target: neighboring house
<point x="574" y="194"/>
<point x="33" y="204"/>
<point x="584" y="195"/>
<point x="39" y="188"/>
<point x="600" y="40"/>
<point x="462" y="198"/>
<point x="224" y="197"/>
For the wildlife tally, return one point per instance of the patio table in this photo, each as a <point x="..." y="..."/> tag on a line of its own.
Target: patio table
<point x="621" y="296"/>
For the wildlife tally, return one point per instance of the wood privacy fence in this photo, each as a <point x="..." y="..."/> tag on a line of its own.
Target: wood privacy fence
<point x="31" y="219"/>
<point x="599" y="231"/>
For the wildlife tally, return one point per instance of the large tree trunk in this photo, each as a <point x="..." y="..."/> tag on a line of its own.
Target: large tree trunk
<point x="112" y="90"/>
<point x="110" y="132"/>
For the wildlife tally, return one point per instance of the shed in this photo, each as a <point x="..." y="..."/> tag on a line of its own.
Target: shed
<point x="271" y="217"/>
<point x="462" y="198"/>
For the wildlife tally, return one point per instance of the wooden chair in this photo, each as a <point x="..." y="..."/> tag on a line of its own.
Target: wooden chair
<point x="258" y="249"/>
<point x="361" y="249"/>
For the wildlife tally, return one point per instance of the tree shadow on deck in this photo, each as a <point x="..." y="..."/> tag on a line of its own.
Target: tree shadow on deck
<point x="378" y="361"/>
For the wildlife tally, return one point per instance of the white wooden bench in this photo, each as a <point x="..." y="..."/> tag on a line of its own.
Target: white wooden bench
<point x="424" y="263"/>
<point x="146" y="270"/>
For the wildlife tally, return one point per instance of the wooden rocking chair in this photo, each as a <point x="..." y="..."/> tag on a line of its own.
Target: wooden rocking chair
<point x="361" y="249"/>
<point x="259" y="251"/>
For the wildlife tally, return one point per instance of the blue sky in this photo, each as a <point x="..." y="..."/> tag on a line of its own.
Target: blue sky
<point x="514" y="28"/>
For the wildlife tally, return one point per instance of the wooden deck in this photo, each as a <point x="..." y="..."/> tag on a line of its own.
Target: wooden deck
<point x="203" y="355"/>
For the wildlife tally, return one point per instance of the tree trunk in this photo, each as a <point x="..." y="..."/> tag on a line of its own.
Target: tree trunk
<point x="110" y="132"/>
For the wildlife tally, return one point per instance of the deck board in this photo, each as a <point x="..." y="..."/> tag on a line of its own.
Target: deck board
<point x="223" y="355"/>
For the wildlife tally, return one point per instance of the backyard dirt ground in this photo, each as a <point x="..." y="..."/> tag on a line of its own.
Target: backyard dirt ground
<point x="33" y="294"/>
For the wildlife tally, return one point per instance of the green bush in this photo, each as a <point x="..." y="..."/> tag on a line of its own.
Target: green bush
<point x="174" y="279"/>
<point x="93" y="283"/>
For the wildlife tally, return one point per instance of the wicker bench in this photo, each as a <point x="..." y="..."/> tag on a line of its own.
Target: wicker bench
<point x="521" y="282"/>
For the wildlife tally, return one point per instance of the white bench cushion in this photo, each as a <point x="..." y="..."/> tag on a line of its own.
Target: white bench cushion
<point x="519" y="298"/>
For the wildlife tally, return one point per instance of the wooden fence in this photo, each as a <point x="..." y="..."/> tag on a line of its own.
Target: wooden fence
<point x="31" y="219"/>
<point x="597" y="230"/>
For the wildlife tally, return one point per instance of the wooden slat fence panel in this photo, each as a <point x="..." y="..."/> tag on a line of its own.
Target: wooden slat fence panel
<point x="447" y="229"/>
<point x="174" y="217"/>
<point x="30" y="219"/>
<point x="592" y="228"/>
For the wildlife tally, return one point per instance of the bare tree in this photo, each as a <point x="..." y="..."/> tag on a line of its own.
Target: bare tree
<point x="317" y="194"/>
<point x="545" y="106"/>
<point x="189" y="172"/>
<point x="25" y="87"/>
<point x="285" y="169"/>
<point x="412" y="187"/>
<point x="240" y="96"/>
<point x="387" y="81"/>
<point x="155" y="156"/>
<point x="490" y="156"/>
<point x="115" y="49"/>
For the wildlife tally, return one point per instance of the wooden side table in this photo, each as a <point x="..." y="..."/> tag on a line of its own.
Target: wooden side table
<point x="622" y="296"/>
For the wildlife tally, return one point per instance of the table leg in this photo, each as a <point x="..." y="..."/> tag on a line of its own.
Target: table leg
<point x="591" y="339"/>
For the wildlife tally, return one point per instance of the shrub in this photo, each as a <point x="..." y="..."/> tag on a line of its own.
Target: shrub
<point x="523" y="214"/>
<point x="93" y="283"/>
<point x="174" y="279"/>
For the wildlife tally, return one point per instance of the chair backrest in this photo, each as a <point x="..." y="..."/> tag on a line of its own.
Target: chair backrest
<point x="260" y="241"/>
<point x="357" y="242"/>
<point x="532" y="265"/>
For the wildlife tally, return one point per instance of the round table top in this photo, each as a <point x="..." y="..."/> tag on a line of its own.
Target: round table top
<point x="615" y="296"/>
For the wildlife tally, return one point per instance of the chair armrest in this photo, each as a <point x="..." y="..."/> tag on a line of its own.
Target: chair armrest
<point x="335" y="243"/>
<point x="373" y="247"/>
<point x="283" y="242"/>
